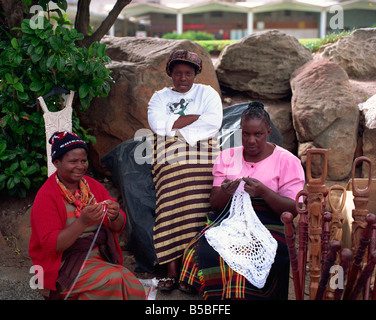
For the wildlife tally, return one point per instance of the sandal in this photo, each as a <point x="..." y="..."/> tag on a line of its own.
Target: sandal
<point x="186" y="288"/>
<point x="167" y="284"/>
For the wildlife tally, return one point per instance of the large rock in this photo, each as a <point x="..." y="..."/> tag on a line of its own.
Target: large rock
<point x="281" y="115"/>
<point x="138" y="67"/>
<point x="355" y="53"/>
<point x="368" y="149"/>
<point x="369" y="134"/>
<point x="325" y="114"/>
<point x="261" y="64"/>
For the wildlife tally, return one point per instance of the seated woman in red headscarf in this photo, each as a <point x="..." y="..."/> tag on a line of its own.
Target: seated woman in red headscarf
<point x="67" y="212"/>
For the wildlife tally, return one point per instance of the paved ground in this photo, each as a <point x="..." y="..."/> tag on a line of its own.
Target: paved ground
<point x="15" y="285"/>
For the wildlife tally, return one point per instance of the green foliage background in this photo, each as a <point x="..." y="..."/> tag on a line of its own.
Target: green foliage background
<point x="30" y="65"/>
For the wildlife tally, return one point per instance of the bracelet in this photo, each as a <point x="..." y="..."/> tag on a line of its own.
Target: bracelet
<point x="117" y="216"/>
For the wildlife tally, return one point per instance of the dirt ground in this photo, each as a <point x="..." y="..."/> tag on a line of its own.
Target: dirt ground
<point x="15" y="262"/>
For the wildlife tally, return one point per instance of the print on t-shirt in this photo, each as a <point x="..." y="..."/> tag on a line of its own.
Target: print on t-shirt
<point x="178" y="107"/>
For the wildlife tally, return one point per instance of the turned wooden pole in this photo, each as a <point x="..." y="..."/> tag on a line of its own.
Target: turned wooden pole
<point x="328" y="261"/>
<point x="358" y="259"/>
<point x="287" y="218"/>
<point x="346" y="256"/>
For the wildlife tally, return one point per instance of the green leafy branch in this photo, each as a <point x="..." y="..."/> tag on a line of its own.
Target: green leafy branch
<point x="30" y="65"/>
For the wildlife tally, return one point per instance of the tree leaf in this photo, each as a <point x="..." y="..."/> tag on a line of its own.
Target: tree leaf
<point x="83" y="90"/>
<point x="19" y="87"/>
<point x="36" y="86"/>
<point x="51" y="61"/>
<point x="101" y="50"/>
<point x="14" y="43"/>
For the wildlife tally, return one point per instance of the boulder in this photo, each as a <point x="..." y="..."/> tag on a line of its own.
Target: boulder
<point x="325" y="114"/>
<point x="261" y="64"/>
<point x="138" y="69"/>
<point x="368" y="148"/>
<point x="355" y="53"/>
<point x="281" y="115"/>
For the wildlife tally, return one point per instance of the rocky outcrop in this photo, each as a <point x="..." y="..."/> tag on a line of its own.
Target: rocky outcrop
<point x="138" y="69"/>
<point x="261" y="64"/>
<point x="325" y="114"/>
<point x="355" y="53"/>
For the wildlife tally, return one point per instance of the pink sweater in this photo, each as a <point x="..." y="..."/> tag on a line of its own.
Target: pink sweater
<point x="281" y="171"/>
<point x="48" y="218"/>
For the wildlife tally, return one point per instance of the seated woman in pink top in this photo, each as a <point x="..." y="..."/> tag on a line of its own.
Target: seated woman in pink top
<point x="273" y="176"/>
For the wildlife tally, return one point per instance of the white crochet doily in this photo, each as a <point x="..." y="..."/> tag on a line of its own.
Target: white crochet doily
<point x="243" y="241"/>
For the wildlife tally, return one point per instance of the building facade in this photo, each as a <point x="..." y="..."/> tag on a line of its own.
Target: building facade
<point x="235" y="19"/>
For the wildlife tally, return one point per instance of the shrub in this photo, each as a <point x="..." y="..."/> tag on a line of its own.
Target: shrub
<point x="215" y="45"/>
<point x="189" y="35"/>
<point x="29" y="67"/>
<point x="316" y="44"/>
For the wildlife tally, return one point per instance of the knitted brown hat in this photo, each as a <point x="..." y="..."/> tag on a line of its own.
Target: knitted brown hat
<point x="186" y="57"/>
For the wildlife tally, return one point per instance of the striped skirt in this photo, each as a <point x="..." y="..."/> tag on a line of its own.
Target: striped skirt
<point x="183" y="180"/>
<point x="101" y="280"/>
<point x="204" y="269"/>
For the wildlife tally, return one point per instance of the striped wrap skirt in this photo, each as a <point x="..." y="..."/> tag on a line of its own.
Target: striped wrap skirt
<point x="204" y="269"/>
<point x="101" y="280"/>
<point x="183" y="180"/>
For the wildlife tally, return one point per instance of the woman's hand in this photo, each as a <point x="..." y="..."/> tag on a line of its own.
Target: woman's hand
<point x="254" y="187"/>
<point x="116" y="219"/>
<point x="229" y="186"/>
<point x="220" y="196"/>
<point x="112" y="210"/>
<point x="277" y="203"/>
<point x="92" y="214"/>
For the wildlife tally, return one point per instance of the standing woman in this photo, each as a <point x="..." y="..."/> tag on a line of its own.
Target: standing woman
<point x="66" y="215"/>
<point x="184" y="118"/>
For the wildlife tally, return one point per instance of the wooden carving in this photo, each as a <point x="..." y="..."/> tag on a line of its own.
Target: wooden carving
<point x="316" y="202"/>
<point x="287" y="218"/>
<point x="337" y="218"/>
<point x="360" y="203"/>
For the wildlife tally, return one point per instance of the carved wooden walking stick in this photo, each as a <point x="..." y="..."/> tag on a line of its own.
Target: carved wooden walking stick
<point x="357" y="263"/>
<point x="346" y="256"/>
<point x="303" y="238"/>
<point x="360" y="211"/>
<point x="325" y="235"/>
<point x="337" y="218"/>
<point x="287" y="218"/>
<point x="316" y="196"/>
<point x="328" y="262"/>
<point x="336" y="223"/>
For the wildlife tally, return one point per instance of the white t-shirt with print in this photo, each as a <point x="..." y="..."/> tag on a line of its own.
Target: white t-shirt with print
<point x="167" y="105"/>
